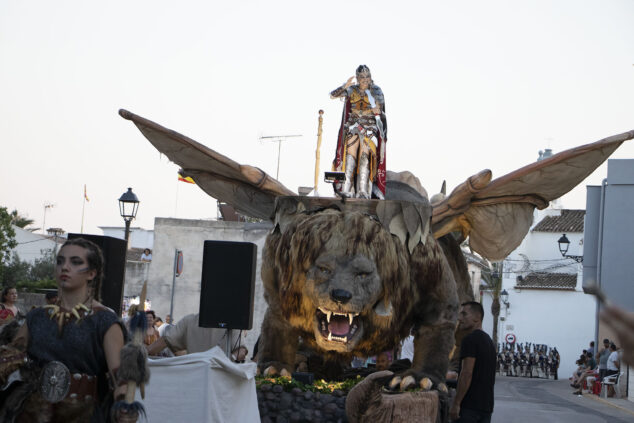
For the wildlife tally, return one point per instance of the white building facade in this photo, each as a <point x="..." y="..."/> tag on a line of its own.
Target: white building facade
<point x="546" y="303"/>
<point x="139" y="237"/>
<point x="32" y="246"/>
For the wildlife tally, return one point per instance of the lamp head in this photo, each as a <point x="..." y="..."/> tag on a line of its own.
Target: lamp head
<point x="128" y="205"/>
<point x="564" y="243"/>
<point x="504" y="296"/>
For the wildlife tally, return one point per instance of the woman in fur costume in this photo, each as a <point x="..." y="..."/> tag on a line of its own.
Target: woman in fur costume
<point x="72" y="348"/>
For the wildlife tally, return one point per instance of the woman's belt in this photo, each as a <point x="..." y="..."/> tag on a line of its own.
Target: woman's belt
<point x="83" y="387"/>
<point x="57" y="384"/>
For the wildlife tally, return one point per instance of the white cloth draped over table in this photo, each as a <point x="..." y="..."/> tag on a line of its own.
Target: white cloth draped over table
<point x="201" y="387"/>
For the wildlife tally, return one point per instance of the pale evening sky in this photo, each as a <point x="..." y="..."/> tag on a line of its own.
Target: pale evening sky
<point x="468" y="85"/>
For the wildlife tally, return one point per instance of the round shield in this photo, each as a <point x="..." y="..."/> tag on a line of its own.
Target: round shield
<point x="55" y="382"/>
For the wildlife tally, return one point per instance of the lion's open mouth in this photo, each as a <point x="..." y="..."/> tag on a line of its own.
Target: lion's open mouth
<point x="336" y="326"/>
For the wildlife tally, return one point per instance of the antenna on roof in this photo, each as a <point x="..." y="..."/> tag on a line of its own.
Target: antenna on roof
<point x="278" y="139"/>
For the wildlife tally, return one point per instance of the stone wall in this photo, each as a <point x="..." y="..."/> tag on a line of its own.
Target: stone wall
<point x="279" y="406"/>
<point x="136" y="273"/>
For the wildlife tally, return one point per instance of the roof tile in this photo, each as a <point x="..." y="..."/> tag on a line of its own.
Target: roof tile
<point x="544" y="280"/>
<point x="569" y="221"/>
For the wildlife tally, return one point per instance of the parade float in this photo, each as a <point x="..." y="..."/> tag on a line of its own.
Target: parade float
<point x="354" y="273"/>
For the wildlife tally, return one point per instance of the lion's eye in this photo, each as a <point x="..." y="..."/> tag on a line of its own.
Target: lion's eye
<point x="324" y="270"/>
<point x="362" y="275"/>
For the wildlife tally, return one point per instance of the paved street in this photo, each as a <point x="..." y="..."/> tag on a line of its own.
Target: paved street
<point x="539" y="400"/>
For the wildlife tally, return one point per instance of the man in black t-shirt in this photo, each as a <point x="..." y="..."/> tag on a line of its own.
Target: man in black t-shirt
<point x="474" y="395"/>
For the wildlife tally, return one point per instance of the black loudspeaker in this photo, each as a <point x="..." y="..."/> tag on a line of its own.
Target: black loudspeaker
<point x="114" y="254"/>
<point x="227" y="285"/>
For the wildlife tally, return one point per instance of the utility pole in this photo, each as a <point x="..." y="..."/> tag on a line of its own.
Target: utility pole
<point x="278" y="139"/>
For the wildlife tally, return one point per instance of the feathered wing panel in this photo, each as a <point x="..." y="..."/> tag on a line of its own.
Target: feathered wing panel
<point x="497" y="215"/>
<point x="250" y="190"/>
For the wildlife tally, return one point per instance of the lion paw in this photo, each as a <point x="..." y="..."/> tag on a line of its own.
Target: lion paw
<point x="410" y="380"/>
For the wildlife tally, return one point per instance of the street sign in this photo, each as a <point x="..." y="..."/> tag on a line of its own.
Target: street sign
<point x="510" y="338"/>
<point x="178" y="269"/>
<point x="179" y="263"/>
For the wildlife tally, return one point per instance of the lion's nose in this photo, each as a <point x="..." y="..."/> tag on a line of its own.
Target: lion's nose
<point x="340" y="296"/>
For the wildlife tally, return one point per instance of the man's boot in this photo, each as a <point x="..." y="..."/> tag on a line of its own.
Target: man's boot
<point x="363" y="179"/>
<point x="347" y="189"/>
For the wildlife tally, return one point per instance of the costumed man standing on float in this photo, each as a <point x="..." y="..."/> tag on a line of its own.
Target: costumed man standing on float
<point x="362" y="137"/>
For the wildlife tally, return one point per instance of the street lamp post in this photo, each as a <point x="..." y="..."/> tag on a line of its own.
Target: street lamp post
<point x="504" y="296"/>
<point x="128" y="206"/>
<point x="564" y="244"/>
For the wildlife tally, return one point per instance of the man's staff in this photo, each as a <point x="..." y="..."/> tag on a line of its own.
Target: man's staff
<point x="319" y="131"/>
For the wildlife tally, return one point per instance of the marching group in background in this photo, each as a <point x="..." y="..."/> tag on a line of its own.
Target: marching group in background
<point x="527" y="360"/>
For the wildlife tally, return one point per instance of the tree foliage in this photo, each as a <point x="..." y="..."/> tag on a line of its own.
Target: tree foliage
<point x="18" y="273"/>
<point x="21" y="221"/>
<point x="7" y="237"/>
<point x="27" y="276"/>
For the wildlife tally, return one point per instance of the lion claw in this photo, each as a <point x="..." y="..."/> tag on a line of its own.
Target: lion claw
<point x="395" y="382"/>
<point x="273" y="371"/>
<point x="442" y="388"/>
<point x="426" y="384"/>
<point x="408" y="382"/>
<point x="270" y="371"/>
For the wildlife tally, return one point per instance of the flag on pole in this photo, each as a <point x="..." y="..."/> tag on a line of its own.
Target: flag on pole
<point x="85" y="195"/>
<point x="186" y="179"/>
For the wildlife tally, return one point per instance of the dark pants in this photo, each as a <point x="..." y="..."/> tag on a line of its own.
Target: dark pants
<point x="602" y="373"/>
<point x="473" y="416"/>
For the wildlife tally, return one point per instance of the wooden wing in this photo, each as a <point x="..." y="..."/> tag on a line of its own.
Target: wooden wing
<point x="250" y="190"/>
<point x="497" y="215"/>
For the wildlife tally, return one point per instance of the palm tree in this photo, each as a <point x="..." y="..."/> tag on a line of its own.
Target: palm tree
<point x="21" y="221"/>
<point x="496" y="288"/>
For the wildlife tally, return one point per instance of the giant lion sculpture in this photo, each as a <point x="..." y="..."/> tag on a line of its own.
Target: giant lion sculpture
<point x="353" y="277"/>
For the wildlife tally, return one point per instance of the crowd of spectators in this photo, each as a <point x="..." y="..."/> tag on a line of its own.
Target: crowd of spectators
<point x="594" y="367"/>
